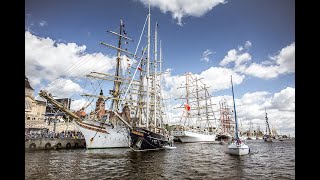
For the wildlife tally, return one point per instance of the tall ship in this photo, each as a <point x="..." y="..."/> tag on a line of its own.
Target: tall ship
<point x="148" y="132"/>
<point x="259" y="133"/>
<point x="250" y="132"/>
<point x="197" y="119"/>
<point x="103" y="128"/>
<point x="226" y="127"/>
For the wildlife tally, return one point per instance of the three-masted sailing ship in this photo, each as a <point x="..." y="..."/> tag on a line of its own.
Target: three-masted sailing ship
<point x="226" y="126"/>
<point x="103" y="128"/>
<point x="198" y="115"/>
<point x="148" y="132"/>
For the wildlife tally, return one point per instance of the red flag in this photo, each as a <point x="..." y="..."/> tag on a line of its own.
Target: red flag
<point x="187" y="107"/>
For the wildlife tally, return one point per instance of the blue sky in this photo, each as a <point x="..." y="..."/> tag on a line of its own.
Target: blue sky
<point x="259" y="36"/>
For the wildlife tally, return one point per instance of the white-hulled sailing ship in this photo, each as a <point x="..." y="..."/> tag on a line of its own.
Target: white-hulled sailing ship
<point x="237" y="147"/>
<point x="103" y="128"/>
<point x="198" y="115"/>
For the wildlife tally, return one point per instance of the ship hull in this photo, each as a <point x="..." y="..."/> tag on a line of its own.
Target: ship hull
<point x="190" y="137"/>
<point x="224" y="137"/>
<point x="238" y="149"/>
<point x="267" y="138"/>
<point x="99" y="137"/>
<point x="145" y="140"/>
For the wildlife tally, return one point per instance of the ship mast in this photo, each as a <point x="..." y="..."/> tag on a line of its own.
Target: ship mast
<point x="206" y="107"/>
<point x="224" y="116"/>
<point x="235" y="113"/>
<point x="267" y="123"/>
<point x="197" y="99"/>
<point x="155" y="77"/>
<point x="115" y="93"/>
<point x="187" y="99"/>
<point x="148" y="67"/>
<point x="195" y="93"/>
<point x="160" y="83"/>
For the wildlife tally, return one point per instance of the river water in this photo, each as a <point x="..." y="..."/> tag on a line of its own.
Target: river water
<point x="188" y="161"/>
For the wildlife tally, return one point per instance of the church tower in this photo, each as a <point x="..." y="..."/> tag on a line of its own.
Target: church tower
<point x="100" y="106"/>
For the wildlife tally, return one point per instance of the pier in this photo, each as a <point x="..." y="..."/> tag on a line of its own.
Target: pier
<point x="54" y="143"/>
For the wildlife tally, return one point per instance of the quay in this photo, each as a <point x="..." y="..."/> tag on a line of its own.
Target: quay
<point x="53" y="143"/>
<point x="43" y="139"/>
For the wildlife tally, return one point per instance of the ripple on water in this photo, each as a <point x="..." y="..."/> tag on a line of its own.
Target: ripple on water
<point x="189" y="161"/>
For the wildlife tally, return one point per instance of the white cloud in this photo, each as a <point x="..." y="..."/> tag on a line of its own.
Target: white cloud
<point x="282" y="63"/>
<point x="78" y="104"/>
<point x="286" y="59"/>
<point x="43" y="23"/>
<point x="254" y="98"/>
<point x="206" y="54"/>
<point x="64" y="88"/>
<point x="182" y="8"/>
<point x="284" y="100"/>
<point x="251" y="106"/>
<point x="262" y="71"/>
<point x="247" y="44"/>
<point x="46" y="60"/>
<point x="216" y="78"/>
<point x="239" y="57"/>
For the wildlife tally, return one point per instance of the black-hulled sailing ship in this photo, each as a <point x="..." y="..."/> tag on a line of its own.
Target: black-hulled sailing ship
<point x="148" y="132"/>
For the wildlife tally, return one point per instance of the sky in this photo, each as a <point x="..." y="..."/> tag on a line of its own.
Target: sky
<point x="254" y="41"/>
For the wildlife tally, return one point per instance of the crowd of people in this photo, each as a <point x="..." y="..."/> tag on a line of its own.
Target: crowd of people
<point x="45" y="133"/>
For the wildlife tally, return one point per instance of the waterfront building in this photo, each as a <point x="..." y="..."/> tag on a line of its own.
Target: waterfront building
<point x="34" y="109"/>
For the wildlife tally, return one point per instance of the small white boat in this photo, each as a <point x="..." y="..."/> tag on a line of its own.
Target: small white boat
<point x="238" y="148"/>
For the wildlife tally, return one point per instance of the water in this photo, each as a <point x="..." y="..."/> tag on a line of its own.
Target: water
<point x="188" y="161"/>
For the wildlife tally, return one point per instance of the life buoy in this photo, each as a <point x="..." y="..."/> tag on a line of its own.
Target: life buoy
<point x="32" y="146"/>
<point x="76" y="145"/>
<point x="68" y="145"/>
<point x="47" y="146"/>
<point x="58" y="145"/>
